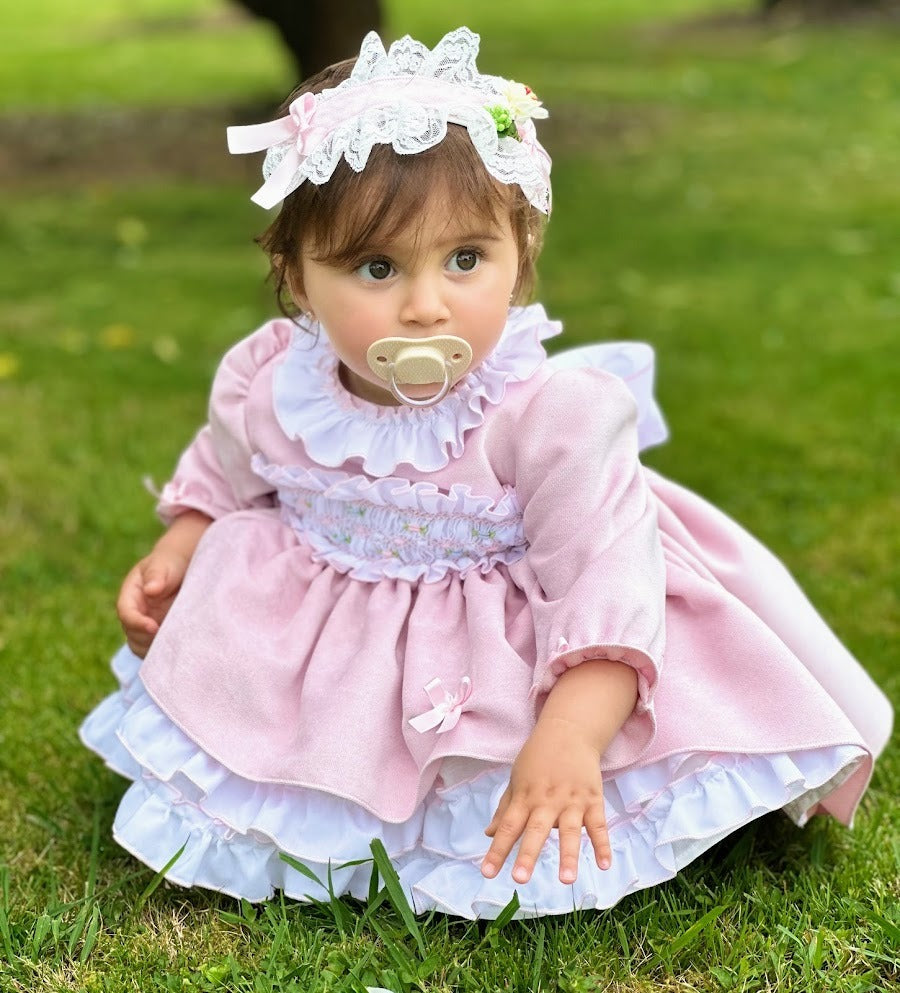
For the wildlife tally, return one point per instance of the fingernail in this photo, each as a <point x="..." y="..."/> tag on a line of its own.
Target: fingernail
<point x="567" y="876"/>
<point x="488" y="869"/>
<point x="520" y="874"/>
<point x="604" y="863"/>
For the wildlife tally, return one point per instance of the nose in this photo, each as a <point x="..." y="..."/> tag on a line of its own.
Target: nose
<point x="424" y="303"/>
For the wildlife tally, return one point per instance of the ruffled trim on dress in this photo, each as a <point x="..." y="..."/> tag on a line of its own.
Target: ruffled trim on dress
<point x="474" y="532"/>
<point x="661" y="817"/>
<point x="312" y="404"/>
<point x="179" y="496"/>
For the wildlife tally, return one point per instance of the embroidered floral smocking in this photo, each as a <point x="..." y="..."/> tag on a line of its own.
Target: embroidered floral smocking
<point x="393" y="528"/>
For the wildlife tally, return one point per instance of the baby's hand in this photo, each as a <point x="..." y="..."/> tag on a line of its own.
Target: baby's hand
<point x="147" y="594"/>
<point x="555" y="782"/>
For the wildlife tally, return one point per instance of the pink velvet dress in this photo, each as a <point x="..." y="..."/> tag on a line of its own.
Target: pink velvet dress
<point x="368" y="629"/>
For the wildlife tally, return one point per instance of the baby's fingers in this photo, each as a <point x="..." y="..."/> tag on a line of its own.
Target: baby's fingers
<point x="570" y="821"/>
<point x="595" y="822"/>
<point x="133" y="611"/>
<point x="535" y="834"/>
<point x="498" y="813"/>
<point x="131" y="605"/>
<point x="159" y="579"/>
<point x="506" y="833"/>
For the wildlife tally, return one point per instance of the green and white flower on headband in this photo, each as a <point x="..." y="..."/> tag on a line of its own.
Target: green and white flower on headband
<point x="520" y="103"/>
<point x="523" y="101"/>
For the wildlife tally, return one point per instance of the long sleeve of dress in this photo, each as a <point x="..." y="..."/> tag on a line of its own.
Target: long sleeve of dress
<point x="594" y="561"/>
<point x="213" y="474"/>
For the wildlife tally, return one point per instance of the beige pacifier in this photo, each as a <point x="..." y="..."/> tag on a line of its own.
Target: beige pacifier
<point x="416" y="361"/>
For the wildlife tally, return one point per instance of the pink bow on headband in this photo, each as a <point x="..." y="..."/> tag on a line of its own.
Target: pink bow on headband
<point x="297" y="127"/>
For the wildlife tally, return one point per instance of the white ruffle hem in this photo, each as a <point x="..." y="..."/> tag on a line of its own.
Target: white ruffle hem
<point x="661" y="817"/>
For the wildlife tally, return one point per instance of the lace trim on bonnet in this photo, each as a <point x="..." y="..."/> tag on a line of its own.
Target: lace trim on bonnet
<point x="404" y="97"/>
<point x="312" y="404"/>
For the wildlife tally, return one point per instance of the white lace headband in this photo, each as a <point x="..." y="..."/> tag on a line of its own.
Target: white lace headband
<point x="405" y="98"/>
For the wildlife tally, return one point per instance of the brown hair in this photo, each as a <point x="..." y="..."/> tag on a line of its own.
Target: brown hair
<point x="343" y="217"/>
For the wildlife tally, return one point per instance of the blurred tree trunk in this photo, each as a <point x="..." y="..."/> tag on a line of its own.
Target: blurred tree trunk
<point x="319" y="32"/>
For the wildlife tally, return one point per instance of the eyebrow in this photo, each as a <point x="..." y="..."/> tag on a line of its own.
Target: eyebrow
<point x="459" y="239"/>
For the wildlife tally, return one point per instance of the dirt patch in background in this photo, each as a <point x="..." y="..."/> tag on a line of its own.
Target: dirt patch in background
<point x="43" y="149"/>
<point x="115" y="145"/>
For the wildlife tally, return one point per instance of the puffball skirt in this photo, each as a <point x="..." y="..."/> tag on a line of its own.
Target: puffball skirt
<point x="368" y="629"/>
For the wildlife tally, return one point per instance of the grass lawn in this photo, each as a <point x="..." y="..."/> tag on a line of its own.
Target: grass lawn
<point x="727" y="192"/>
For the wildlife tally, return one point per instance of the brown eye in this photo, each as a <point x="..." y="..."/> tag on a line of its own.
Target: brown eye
<point x="376" y="270"/>
<point x="465" y="260"/>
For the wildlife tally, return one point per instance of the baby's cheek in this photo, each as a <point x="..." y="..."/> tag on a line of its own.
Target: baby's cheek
<point x="486" y="331"/>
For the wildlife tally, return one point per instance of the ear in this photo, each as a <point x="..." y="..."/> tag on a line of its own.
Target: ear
<point x="298" y="296"/>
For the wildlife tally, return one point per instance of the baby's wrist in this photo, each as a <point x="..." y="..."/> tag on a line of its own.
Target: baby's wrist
<point x="566" y="732"/>
<point x="594" y="700"/>
<point x="180" y="540"/>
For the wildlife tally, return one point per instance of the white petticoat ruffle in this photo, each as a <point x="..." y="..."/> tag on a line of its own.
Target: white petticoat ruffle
<point x="233" y="830"/>
<point x="312" y="405"/>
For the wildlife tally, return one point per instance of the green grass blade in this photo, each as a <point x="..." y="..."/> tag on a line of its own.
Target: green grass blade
<point x="538" y="960"/>
<point x="891" y="931"/>
<point x="623" y="942"/>
<point x="724" y="977"/>
<point x="41" y="930"/>
<point x="338" y="910"/>
<point x="373" y="885"/>
<point x="5" y="933"/>
<point x="373" y="903"/>
<point x="238" y="920"/>
<point x="507" y="914"/>
<point x="798" y="941"/>
<point x="95" y="854"/>
<point x="683" y="940"/>
<point x="90" y="939"/>
<point x="281" y="932"/>
<point x="353" y="862"/>
<point x="406" y="966"/>
<point x="395" y="892"/>
<point x="356" y="970"/>
<point x="6" y="936"/>
<point x="77" y="929"/>
<point x="159" y="877"/>
<point x="304" y="870"/>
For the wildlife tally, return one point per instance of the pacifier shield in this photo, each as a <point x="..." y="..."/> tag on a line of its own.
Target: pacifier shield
<point x="416" y="361"/>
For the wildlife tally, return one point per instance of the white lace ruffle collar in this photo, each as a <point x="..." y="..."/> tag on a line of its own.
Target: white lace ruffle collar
<point x="312" y="404"/>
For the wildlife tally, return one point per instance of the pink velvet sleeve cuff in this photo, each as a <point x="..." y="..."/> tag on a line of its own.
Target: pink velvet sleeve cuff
<point x="638" y="731"/>
<point x="179" y="496"/>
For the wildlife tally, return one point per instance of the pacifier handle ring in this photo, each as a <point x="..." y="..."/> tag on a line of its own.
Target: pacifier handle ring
<point x="429" y="401"/>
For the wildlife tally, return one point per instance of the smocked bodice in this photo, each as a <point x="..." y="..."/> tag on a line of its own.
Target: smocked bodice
<point x="393" y="528"/>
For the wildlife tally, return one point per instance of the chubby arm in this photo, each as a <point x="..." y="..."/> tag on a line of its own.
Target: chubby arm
<point x="556" y="779"/>
<point x="151" y="586"/>
<point x="213" y="478"/>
